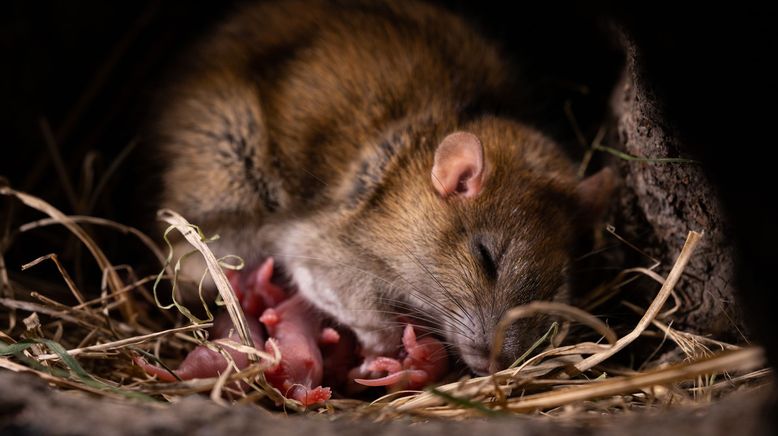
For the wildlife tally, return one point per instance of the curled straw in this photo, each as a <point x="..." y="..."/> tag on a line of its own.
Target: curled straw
<point x="547" y="307"/>
<point x="692" y="240"/>
<point x="190" y="233"/>
<point x="195" y="238"/>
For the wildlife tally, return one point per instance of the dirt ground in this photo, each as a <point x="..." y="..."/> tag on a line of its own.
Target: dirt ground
<point x="29" y="407"/>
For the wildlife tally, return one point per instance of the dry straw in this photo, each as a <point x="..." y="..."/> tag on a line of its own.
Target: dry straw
<point x="89" y="345"/>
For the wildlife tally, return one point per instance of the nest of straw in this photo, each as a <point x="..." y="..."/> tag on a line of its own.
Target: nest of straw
<point x="89" y="346"/>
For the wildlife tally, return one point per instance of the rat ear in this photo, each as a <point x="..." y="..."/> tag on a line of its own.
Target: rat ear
<point x="459" y="165"/>
<point x="595" y="193"/>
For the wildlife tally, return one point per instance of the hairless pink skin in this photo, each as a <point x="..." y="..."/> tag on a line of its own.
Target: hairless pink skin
<point x="296" y="329"/>
<point x="255" y="291"/>
<point x="426" y="362"/>
<point x="203" y="362"/>
<point x="310" y="351"/>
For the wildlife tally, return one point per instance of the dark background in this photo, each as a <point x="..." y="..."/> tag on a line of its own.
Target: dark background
<point x="90" y="68"/>
<point x="78" y="75"/>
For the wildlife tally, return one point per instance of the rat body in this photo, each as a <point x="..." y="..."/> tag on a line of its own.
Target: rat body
<point x="358" y="143"/>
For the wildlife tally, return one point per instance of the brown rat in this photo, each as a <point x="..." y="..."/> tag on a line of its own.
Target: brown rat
<point x="355" y="142"/>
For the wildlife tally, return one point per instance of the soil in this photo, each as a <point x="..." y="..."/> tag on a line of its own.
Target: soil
<point x="29" y="407"/>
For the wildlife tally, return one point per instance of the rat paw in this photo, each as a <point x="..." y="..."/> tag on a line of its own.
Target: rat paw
<point x="425" y="362"/>
<point x="308" y="396"/>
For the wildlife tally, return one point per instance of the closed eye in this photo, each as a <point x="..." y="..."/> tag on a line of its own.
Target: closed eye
<point x="486" y="259"/>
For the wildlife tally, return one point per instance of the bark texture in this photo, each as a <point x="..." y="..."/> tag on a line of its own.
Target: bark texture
<point x="661" y="201"/>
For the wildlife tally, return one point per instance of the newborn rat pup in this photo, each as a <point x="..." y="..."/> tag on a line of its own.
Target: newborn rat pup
<point x="363" y="146"/>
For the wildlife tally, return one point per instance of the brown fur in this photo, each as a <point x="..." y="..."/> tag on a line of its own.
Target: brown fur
<point x="306" y="130"/>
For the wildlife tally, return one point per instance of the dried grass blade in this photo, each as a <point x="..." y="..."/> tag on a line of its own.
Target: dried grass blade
<point x="102" y="261"/>
<point x="672" y="278"/>
<point x="217" y="274"/>
<point x="125" y="342"/>
<point x="745" y="359"/>
<point x="547" y="307"/>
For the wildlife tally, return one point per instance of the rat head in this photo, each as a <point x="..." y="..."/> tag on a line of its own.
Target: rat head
<point x="486" y="221"/>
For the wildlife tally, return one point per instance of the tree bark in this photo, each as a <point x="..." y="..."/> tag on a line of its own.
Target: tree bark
<point x="661" y="201"/>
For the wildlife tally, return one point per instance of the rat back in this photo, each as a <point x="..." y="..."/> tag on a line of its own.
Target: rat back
<point x="275" y="111"/>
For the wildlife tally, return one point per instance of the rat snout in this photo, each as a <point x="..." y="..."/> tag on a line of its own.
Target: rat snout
<point x="475" y="346"/>
<point x="518" y="338"/>
<point x="477" y="356"/>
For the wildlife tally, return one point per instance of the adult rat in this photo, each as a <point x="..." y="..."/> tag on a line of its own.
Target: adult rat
<point x="360" y="144"/>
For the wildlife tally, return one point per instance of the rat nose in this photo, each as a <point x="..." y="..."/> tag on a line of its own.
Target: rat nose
<point x="478" y="358"/>
<point x="481" y="364"/>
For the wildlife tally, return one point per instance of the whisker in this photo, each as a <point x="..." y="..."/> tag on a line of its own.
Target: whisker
<point x="333" y="261"/>
<point x="444" y="311"/>
<point x="444" y="290"/>
<point x="392" y="313"/>
<point x="414" y="311"/>
<point x="432" y="276"/>
<point x="457" y="325"/>
<point x="426" y="329"/>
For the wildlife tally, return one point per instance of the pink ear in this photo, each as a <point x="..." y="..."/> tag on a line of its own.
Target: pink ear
<point x="596" y="191"/>
<point x="459" y="165"/>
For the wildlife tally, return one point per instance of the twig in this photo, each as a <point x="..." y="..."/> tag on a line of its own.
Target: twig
<point x="124" y="342"/>
<point x="675" y="273"/>
<point x="113" y="279"/>
<point x="68" y="280"/>
<point x="546" y="307"/>
<point x="148" y="242"/>
<point x="59" y="164"/>
<point x="745" y="359"/>
<point x="112" y="167"/>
